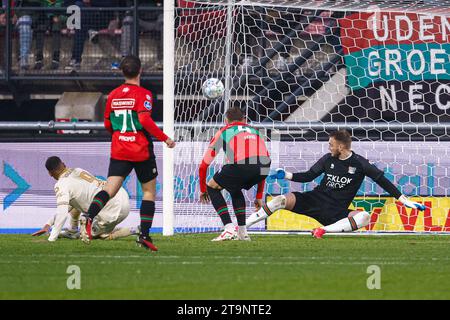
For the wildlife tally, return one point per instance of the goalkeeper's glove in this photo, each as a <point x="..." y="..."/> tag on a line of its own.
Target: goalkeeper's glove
<point x="281" y="174"/>
<point x="411" y="204"/>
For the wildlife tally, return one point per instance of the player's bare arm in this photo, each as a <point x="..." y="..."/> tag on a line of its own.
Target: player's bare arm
<point x="45" y="229"/>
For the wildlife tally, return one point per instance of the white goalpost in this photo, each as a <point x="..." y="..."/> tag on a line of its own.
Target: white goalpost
<point x="301" y="69"/>
<point x="168" y="116"/>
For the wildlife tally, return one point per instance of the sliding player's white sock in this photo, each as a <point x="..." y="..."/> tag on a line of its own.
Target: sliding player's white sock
<point x="266" y="210"/>
<point x="359" y="220"/>
<point x="74" y="220"/>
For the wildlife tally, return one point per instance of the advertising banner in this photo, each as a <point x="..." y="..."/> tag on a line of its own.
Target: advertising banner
<point x="26" y="189"/>
<point x="386" y="214"/>
<point x="398" y="65"/>
<point x="420" y="169"/>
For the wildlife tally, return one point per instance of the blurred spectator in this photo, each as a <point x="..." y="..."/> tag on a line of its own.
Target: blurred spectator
<point x="3" y="13"/>
<point x="24" y="23"/>
<point x="249" y="35"/>
<point x="90" y="22"/>
<point x="52" y="22"/>
<point x="194" y="25"/>
<point x="283" y="23"/>
<point x="3" y="52"/>
<point x="2" y="34"/>
<point x="148" y="23"/>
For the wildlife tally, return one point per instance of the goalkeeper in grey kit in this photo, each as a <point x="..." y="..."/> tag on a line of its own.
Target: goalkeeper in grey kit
<point x="344" y="172"/>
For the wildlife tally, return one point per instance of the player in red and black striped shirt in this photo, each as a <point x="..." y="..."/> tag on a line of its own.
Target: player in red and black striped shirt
<point x="128" y="119"/>
<point x="248" y="164"/>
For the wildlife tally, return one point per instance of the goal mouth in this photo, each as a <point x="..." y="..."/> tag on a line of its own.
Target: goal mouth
<point x="302" y="69"/>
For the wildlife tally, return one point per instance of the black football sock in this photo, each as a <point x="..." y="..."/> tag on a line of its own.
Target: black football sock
<point x="100" y="200"/>
<point x="238" y="200"/>
<point x="220" y="205"/>
<point x="147" y="213"/>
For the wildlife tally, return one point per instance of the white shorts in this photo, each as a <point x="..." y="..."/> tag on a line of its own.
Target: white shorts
<point x="115" y="211"/>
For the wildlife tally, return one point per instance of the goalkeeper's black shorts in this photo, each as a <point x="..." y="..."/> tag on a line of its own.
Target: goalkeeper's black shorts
<point x="235" y="177"/>
<point x="318" y="206"/>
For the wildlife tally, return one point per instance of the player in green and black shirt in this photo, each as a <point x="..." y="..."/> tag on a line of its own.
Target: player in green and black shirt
<point x="248" y="163"/>
<point x="344" y="172"/>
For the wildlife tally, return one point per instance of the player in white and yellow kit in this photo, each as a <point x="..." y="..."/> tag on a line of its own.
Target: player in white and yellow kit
<point x="75" y="190"/>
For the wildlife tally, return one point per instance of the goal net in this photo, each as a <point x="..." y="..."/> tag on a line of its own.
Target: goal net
<point x="301" y="69"/>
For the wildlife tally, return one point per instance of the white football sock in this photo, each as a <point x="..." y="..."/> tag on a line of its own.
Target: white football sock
<point x="229" y="227"/>
<point x="361" y="219"/>
<point x="273" y="205"/>
<point x="73" y="224"/>
<point x="74" y="219"/>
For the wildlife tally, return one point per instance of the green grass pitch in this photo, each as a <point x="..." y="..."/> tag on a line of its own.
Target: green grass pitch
<point x="192" y="267"/>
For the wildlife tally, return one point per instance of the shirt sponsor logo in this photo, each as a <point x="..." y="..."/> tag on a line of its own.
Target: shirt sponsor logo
<point x="337" y="182"/>
<point x="127" y="138"/>
<point x="148" y="105"/>
<point x="122" y="103"/>
<point x="351" y="170"/>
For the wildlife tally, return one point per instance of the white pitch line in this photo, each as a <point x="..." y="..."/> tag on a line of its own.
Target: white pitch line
<point x="218" y="263"/>
<point x="157" y="256"/>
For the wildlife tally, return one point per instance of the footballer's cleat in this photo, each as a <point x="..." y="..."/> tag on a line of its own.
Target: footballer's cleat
<point x="318" y="233"/>
<point x="227" y="234"/>
<point x="86" y="229"/>
<point x="146" y="242"/>
<point x="69" y="234"/>
<point x="241" y="234"/>
<point x="244" y="238"/>
<point x="256" y="217"/>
